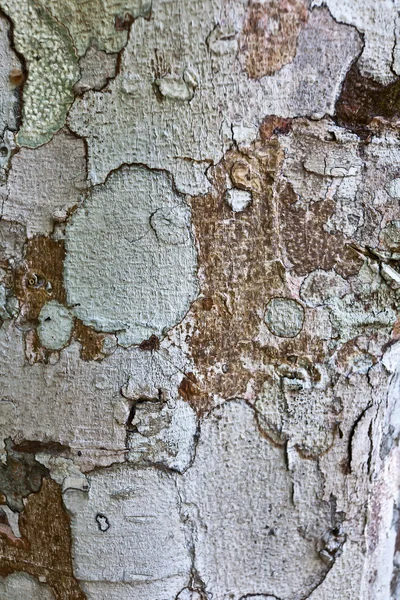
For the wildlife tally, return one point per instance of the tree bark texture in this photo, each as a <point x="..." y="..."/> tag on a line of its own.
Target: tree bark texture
<point x="199" y="298"/>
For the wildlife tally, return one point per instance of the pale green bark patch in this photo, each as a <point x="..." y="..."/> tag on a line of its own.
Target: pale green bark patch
<point x="131" y="262"/>
<point x="284" y="317"/>
<point x="55" y="325"/>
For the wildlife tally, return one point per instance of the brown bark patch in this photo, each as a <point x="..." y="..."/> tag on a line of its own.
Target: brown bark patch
<point x="123" y="23"/>
<point x="269" y="37"/>
<point x="91" y="341"/>
<point x="240" y="272"/>
<point x="362" y="99"/>
<point x="308" y="246"/>
<point x="153" y="343"/>
<point x="16" y="77"/>
<point x="34" y="351"/>
<point x="273" y="125"/>
<point x="39" y="278"/>
<point x="190" y="391"/>
<point x="46" y="527"/>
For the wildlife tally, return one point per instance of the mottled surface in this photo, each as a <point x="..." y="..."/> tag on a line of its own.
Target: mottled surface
<point x="199" y="299"/>
<point x="186" y="124"/>
<point x="105" y="21"/>
<point x="47" y="554"/>
<point x="377" y="22"/>
<point x="269" y="36"/>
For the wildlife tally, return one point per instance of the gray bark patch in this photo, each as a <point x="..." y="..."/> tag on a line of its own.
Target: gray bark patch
<point x="284" y="317"/>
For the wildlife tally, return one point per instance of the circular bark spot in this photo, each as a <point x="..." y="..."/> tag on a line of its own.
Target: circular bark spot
<point x="284" y="317"/>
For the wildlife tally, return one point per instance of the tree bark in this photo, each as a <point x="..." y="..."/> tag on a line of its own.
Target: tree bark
<point x="199" y="290"/>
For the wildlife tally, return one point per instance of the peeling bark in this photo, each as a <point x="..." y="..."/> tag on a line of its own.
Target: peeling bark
<point x="199" y="300"/>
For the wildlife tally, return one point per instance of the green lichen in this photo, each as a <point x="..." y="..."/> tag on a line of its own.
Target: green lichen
<point x="104" y="21"/>
<point x="52" y="66"/>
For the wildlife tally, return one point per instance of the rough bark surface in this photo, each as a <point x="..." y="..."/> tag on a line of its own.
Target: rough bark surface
<point x="199" y="299"/>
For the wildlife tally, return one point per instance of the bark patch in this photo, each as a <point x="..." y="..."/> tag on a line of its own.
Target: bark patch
<point x="362" y="99"/>
<point x="240" y="272"/>
<point x="308" y="245"/>
<point x="40" y="277"/>
<point x="269" y="37"/>
<point x="46" y="528"/>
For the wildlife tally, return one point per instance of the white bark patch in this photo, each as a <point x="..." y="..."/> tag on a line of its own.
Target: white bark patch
<point x="248" y="534"/>
<point x="13" y="519"/>
<point x="3" y="302"/>
<point x="202" y="86"/>
<point x="376" y="21"/>
<point x="163" y="433"/>
<point x="64" y="472"/>
<point x="188" y="594"/>
<point x="238" y="200"/>
<point x="42" y="181"/>
<point x="393" y="188"/>
<point x="21" y="586"/>
<point x="130" y="265"/>
<point x="74" y="402"/>
<point x="55" y="325"/>
<point x="128" y="538"/>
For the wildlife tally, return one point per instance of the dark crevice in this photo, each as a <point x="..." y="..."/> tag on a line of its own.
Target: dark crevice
<point x="351" y="437"/>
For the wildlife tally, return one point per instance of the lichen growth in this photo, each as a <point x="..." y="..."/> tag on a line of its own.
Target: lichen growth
<point x="52" y="70"/>
<point x="106" y="21"/>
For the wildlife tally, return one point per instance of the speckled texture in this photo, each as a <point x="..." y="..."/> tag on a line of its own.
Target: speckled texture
<point x="105" y="21"/>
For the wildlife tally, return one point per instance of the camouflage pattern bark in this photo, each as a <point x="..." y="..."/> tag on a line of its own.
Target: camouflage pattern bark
<point x="199" y="299"/>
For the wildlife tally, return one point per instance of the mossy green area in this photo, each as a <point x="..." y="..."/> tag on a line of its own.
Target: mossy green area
<point x="52" y="66"/>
